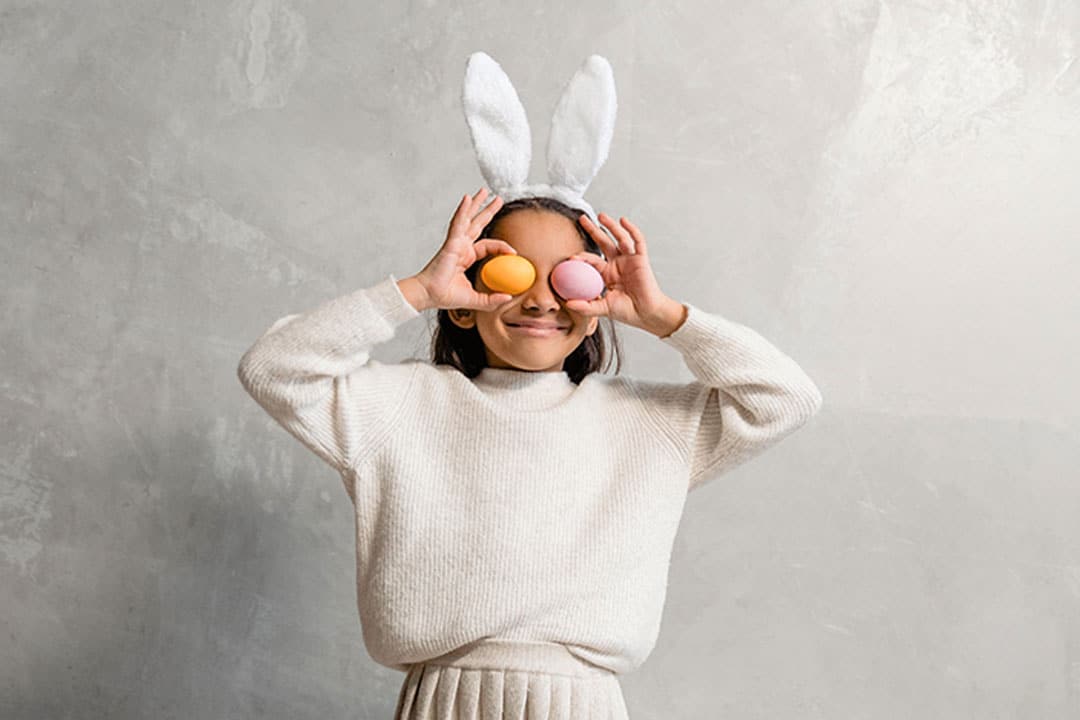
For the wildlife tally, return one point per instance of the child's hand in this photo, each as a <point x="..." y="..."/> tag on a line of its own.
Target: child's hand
<point x="633" y="296"/>
<point x="443" y="278"/>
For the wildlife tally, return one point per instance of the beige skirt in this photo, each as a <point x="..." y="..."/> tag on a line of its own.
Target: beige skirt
<point x="499" y="679"/>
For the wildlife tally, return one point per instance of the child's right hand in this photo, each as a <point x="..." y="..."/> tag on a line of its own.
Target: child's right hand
<point x="444" y="276"/>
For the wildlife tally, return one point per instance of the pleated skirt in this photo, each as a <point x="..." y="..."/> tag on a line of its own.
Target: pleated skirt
<point x="500" y="679"/>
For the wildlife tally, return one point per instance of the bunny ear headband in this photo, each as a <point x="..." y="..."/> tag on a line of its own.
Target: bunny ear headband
<point x="581" y="131"/>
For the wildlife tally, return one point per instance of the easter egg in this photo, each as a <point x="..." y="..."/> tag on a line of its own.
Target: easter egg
<point x="508" y="273"/>
<point x="577" y="280"/>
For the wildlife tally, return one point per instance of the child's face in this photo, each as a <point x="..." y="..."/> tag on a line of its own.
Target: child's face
<point x="545" y="239"/>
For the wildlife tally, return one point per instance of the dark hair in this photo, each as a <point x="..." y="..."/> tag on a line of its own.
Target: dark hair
<point x="463" y="348"/>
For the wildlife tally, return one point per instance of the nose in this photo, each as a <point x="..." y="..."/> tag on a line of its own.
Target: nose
<point x="540" y="297"/>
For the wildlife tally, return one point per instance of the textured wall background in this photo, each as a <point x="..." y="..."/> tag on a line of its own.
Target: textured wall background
<point x="887" y="190"/>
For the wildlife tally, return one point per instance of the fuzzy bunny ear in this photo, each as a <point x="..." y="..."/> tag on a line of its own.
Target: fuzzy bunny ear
<point x="497" y="123"/>
<point x="582" y="126"/>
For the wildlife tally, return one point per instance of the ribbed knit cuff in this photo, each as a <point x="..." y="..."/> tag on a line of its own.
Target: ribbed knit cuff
<point x="390" y="303"/>
<point x="697" y="329"/>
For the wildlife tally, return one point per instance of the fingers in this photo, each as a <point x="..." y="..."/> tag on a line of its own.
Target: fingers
<point x="459" y="218"/>
<point x="639" y="237"/>
<point x="490" y="301"/>
<point x="491" y="246"/>
<point x="484" y="217"/>
<point x="476" y="200"/>
<point x="496" y="299"/>
<point x="466" y="221"/>
<point x="588" y="308"/>
<point x="626" y="243"/>
<point x="598" y="235"/>
<point x="592" y="259"/>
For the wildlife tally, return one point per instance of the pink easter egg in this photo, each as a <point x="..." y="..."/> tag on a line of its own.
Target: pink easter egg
<point x="577" y="280"/>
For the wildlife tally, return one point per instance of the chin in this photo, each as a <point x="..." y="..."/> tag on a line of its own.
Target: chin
<point x="532" y="365"/>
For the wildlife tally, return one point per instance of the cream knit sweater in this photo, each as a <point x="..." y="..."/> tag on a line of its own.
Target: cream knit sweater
<point x="516" y="504"/>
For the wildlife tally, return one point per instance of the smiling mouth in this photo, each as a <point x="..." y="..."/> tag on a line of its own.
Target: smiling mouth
<point x="537" y="331"/>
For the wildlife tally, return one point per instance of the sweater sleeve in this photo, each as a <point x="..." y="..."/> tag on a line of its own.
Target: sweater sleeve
<point x="747" y="395"/>
<point x="312" y="372"/>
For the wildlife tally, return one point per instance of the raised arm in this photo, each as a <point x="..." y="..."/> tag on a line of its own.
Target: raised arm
<point x="313" y="372"/>
<point x="747" y="394"/>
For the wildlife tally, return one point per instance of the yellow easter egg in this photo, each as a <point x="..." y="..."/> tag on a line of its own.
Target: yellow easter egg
<point x="508" y="273"/>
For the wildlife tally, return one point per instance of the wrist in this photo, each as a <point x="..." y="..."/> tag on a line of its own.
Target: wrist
<point x="667" y="319"/>
<point x="416" y="293"/>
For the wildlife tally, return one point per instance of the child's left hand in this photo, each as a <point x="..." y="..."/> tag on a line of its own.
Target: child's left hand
<point x="633" y="295"/>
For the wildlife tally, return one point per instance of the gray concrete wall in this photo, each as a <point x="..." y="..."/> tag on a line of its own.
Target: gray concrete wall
<point x="887" y="190"/>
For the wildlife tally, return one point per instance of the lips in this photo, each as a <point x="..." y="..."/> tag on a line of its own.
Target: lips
<point x="536" y="328"/>
<point x="542" y="326"/>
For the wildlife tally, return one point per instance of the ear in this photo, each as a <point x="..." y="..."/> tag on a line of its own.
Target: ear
<point x="462" y="317"/>
<point x="497" y="123"/>
<point x="594" y="322"/>
<point x="582" y="126"/>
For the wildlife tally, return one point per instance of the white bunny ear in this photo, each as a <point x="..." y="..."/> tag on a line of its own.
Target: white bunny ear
<point x="582" y="126"/>
<point x="497" y="123"/>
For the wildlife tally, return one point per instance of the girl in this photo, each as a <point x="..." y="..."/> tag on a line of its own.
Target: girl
<point x="515" y="508"/>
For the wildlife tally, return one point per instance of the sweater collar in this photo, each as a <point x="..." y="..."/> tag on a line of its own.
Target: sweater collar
<point x="524" y="389"/>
